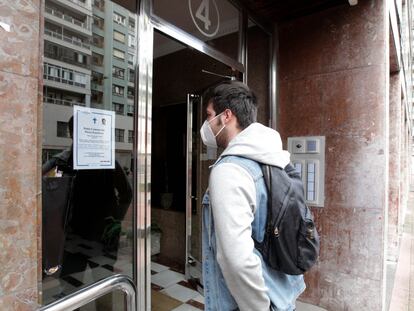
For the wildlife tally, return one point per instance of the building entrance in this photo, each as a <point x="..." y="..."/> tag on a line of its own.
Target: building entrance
<point x="148" y="68"/>
<point x="179" y="170"/>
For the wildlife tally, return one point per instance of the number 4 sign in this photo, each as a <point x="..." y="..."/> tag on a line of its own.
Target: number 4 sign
<point x="205" y="16"/>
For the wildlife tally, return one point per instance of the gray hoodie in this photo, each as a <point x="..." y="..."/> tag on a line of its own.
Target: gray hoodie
<point x="233" y="201"/>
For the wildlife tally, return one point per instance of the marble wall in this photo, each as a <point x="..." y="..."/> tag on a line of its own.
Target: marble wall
<point x="20" y="72"/>
<point x="394" y="217"/>
<point x="333" y="72"/>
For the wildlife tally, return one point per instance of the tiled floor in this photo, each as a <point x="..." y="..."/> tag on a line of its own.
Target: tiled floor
<point x="88" y="256"/>
<point x="182" y="296"/>
<point x="170" y="290"/>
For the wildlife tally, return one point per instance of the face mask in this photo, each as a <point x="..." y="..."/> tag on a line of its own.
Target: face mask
<point x="207" y="135"/>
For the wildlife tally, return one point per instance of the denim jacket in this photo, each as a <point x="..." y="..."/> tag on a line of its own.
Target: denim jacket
<point x="283" y="289"/>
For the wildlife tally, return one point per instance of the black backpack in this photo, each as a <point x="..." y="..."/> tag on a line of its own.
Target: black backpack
<point x="291" y="242"/>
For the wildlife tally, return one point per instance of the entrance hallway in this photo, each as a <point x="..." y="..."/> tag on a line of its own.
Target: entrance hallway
<point x="402" y="298"/>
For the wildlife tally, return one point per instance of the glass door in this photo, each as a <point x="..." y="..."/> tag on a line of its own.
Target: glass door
<point x="88" y="154"/>
<point x="179" y="170"/>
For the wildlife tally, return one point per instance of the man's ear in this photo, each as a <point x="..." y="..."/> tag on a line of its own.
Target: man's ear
<point x="228" y="114"/>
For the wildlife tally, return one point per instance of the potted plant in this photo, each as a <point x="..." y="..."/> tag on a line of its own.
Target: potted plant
<point x="155" y="239"/>
<point x="111" y="234"/>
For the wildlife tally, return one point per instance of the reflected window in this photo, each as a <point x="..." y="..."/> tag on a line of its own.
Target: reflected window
<point x="131" y="41"/>
<point x="97" y="59"/>
<point x="119" y="54"/>
<point x="118" y="36"/>
<point x="119" y="135"/>
<point x="118" y="90"/>
<point x="97" y="78"/>
<point x="131" y="76"/>
<point x="130" y="110"/>
<point x="99" y="4"/>
<point x="131" y="25"/>
<point x="118" y="108"/>
<point x="130" y="137"/>
<point x="131" y="92"/>
<point x="118" y="72"/>
<point x="130" y="58"/>
<point x="62" y="129"/>
<point x="96" y="97"/>
<point x="119" y="19"/>
<point x="98" y="22"/>
<point x="98" y="41"/>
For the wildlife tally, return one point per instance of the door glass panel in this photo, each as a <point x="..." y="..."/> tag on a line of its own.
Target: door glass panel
<point x="114" y="301"/>
<point x="258" y="60"/>
<point x="87" y="158"/>
<point x="175" y="234"/>
<point x="215" y="22"/>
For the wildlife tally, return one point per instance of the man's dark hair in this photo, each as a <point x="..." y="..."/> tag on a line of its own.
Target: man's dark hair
<point x="237" y="97"/>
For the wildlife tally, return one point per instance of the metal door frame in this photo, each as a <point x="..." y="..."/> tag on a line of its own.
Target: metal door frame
<point x="147" y="22"/>
<point x="188" y="181"/>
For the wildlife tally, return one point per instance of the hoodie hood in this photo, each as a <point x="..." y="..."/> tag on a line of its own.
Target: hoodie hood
<point x="259" y="143"/>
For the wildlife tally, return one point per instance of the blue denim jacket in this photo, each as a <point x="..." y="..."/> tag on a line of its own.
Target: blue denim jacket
<point x="283" y="289"/>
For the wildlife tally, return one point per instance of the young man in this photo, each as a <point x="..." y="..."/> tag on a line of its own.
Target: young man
<point x="235" y="205"/>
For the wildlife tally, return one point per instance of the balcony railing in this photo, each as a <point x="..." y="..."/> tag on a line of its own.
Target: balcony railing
<point x="65" y="75"/>
<point x="80" y="3"/>
<point x="72" y="40"/>
<point x="68" y="18"/>
<point x="62" y="102"/>
<point x="66" y="59"/>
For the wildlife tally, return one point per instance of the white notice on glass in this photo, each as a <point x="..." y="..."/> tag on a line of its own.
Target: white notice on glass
<point x="93" y="138"/>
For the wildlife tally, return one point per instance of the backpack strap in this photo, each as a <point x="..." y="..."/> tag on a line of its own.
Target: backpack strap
<point x="267" y="175"/>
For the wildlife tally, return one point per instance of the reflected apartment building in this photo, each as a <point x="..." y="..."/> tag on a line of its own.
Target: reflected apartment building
<point x="89" y="48"/>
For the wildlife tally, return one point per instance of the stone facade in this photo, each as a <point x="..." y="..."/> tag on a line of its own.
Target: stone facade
<point x="20" y="78"/>
<point x="333" y="69"/>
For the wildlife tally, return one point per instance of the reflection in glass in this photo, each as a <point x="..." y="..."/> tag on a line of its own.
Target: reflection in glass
<point x="215" y="22"/>
<point x="89" y="60"/>
<point x="258" y="60"/>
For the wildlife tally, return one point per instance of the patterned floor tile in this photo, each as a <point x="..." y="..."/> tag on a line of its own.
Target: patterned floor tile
<point x="186" y="307"/>
<point x="102" y="260"/>
<point x="157" y="267"/>
<point x="167" y="278"/>
<point x="180" y="293"/>
<point x="72" y="281"/>
<point x="196" y="304"/>
<point x="156" y="287"/>
<point x="199" y="298"/>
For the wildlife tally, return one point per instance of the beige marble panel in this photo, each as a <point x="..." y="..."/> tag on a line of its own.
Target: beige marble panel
<point x="19" y="47"/>
<point x="18" y="195"/>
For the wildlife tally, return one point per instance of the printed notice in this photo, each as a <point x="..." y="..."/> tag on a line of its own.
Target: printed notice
<point x="93" y="138"/>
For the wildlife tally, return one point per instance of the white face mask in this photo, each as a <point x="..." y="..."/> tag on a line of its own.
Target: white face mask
<point x="207" y="135"/>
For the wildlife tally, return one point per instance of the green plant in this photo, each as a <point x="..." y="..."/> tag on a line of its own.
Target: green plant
<point x="111" y="233"/>
<point x="155" y="227"/>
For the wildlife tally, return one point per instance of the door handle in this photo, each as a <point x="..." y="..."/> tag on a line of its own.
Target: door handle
<point x="191" y="261"/>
